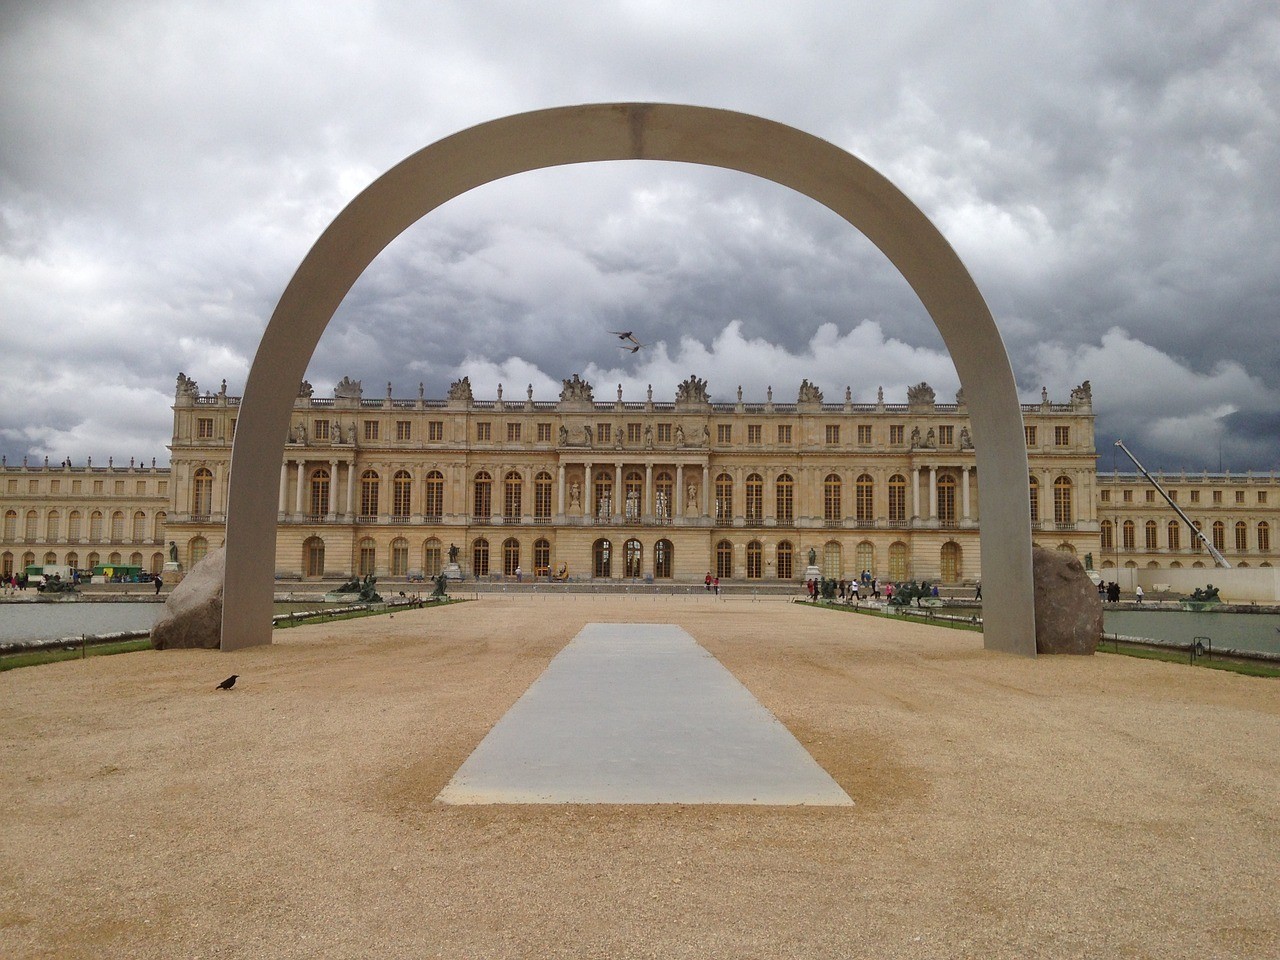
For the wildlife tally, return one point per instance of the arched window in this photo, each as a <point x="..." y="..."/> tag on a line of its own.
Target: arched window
<point x="1108" y="535"/>
<point x="866" y="558"/>
<point x="95" y="526"/>
<point x="602" y="495"/>
<point x="28" y="559"/>
<point x="724" y="559"/>
<point x="1151" y="532"/>
<point x="1127" y="535"/>
<point x="32" y="519"/>
<point x="157" y="562"/>
<point x="946" y="498"/>
<point x="91" y="561"/>
<point x="542" y="497"/>
<point x="1264" y="537"/>
<point x="897" y="499"/>
<point x="1034" y="486"/>
<point x="663" y="488"/>
<point x="831" y="510"/>
<point x="313" y="557"/>
<point x="724" y="498"/>
<point x="510" y="556"/>
<point x="832" y="568"/>
<point x="662" y="560"/>
<point x="399" y="557"/>
<point x="6" y="563"/>
<point x="633" y="496"/>
<point x="1063" y="512"/>
<point x="73" y="561"/>
<point x="633" y="559"/>
<point x="402" y="495"/>
<point x="1242" y="536"/>
<point x="602" y="559"/>
<point x="157" y="526"/>
<point x="319" y="492"/>
<point x="73" y="527"/>
<point x="1197" y="544"/>
<point x="11" y="525"/>
<point x="367" y="561"/>
<point x="899" y="566"/>
<point x="480" y="558"/>
<point x="139" y="527"/>
<point x="369" y="494"/>
<point x="541" y="557"/>
<point x="197" y="547"/>
<point x="784" y="494"/>
<point x="1219" y="535"/>
<point x="202" y="492"/>
<point x="433" y="507"/>
<point x="432" y="558"/>
<point x="785" y="552"/>
<point x="512" y="498"/>
<point x="50" y="559"/>
<point x="864" y="489"/>
<point x="52" y="526"/>
<point x="755" y="560"/>
<point x="1175" y="535"/>
<point x="1065" y="547"/>
<point x="950" y="562"/>
<point x="117" y="526"/>
<point x="482" y="500"/>
<point x="755" y="498"/>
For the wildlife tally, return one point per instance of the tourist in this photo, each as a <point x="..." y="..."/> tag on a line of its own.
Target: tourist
<point x="706" y="582"/>
<point x="159" y="583"/>
<point x="977" y="590"/>
<point x="1137" y="594"/>
<point x="519" y="574"/>
<point x="715" y="582"/>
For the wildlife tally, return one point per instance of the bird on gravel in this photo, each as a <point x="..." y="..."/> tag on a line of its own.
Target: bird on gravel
<point x="228" y="683"/>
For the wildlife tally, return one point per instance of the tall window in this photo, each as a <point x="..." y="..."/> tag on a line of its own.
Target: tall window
<point x="864" y="498"/>
<point x="202" y="492"/>
<point x="1035" y="500"/>
<point x="897" y="499"/>
<point x="313" y="557"/>
<point x="755" y="560"/>
<point x="117" y="526"/>
<point x="513" y="432"/>
<point x="53" y="526"/>
<point x="755" y="498"/>
<point x="483" y="500"/>
<point x="197" y="547"/>
<point x="73" y="527"/>
<point x="542" y="496"/>
<point x="663" y="488"/>
<point x="784" y="494"/>
<point x="1242" y="536"/>
<point x="1062" y="512"/>
<point x="724" y="498"/>
<point x="950" y="562"/>
<point x="512" y="497"/>
<point x="1264" y="537"/>
<point x="724" y="559"/>
<point x="401" y="494"/>
<point x="602" y="493"/>
<point x="484" y="431"/>
<point x="1108" y="538"/>
<point x="753" y="433"/>
<point x="480" y="558"/>
<point x="831" y="497"/>
<point x="866" y="557"/>
<point x="1128" y="535"/>
<point x="662" y="560"/>
<point x="896" y="434"/>
<point x="399" y="557"/>
<point x="367" y="562"/>
<point x="632" y="559"/>
<point x="947" y="498"/>
<point x="541" y="556"/>
<point x="833" y="433"/>
<point x="404" y="429"/>
<point x="510" y="556"/>
<point x="898" y="561"/>
<point x="432" y="558"/>
<point x="633" y="494"/>
<point x="434" y="505"/>
<point x="369" y="493"/>
<point x="435" y="431"/>
<point x="784" y="560"/>
<point x="319" y="493"/>
<point x="33" y="519"/>
<point x="1175" y="535"/>
<point x="11" y="525"/>
<point x="1219" y="534"/>
<point x="1062" y="436"/>
<point x="784" y="433"/>
<point x="724" y="433"/>
<point x="602" y="559"/>
<point x="831" y="565"/>
<point x="1197" y="544"/>
<point x="864" y="434"/>
<point x="139" y="527"/>
<point x="1151" y="532"/>
<point x="371" y="429"/>
<point x="95" y="526"/>
<point x="157" y="526"/>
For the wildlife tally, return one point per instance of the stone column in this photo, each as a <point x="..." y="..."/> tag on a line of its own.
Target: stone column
<point x="706" y="489"/>
<point x="915" y="492"/>
<point x="297" y="498"/>
<point x="351" y="487"/>
<point x="560" y="491"/>
<point x="964" y="493"/>
<point x="646" y="508"/>
<point x="588" y="491"/>
<point x="933" y="492"/>
<point x="618" y="496"/>
<point x="331" y="504"/>
<point x="678" y="497"/>
<point x="284" y="488"/>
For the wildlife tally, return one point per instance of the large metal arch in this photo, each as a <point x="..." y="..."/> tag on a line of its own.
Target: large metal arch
<point x="632" y="131"/>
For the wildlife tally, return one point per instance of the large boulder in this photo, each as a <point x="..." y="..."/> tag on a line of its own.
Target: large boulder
<point x="1068" y="611"/>
<point x="192" y="616"/>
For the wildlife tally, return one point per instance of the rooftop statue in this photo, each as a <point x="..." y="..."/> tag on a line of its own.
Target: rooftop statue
<point x="1082" y="393"/>
<point x="460" y="390"/>
<point x="809" y="392"/>
<point x="348" y="389"/>
<point x="187" y="386"/>
<point x="575" y="388"/>
<point x="921" y="395"/>
<point x="304" y="389"/>
<point x="693" y="390"/>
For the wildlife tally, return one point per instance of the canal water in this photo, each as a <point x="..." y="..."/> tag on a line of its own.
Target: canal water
<point x="30" y="622"/>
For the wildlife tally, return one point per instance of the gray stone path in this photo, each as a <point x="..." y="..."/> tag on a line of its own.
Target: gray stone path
<point x="639" y="713"/>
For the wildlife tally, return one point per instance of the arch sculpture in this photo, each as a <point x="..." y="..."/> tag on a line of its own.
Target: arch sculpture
<point x="631" y="131"/>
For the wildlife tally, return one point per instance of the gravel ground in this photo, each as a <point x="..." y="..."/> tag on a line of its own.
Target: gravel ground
<point x="1062" y="807"/>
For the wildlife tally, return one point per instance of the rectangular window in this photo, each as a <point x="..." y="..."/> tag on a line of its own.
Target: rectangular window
<point x="97" y="486"/>
<point x="544" y="433"/>
<point x="513" y="433"/>
<point x="946" y="435"/>
<point x="1262" y="496"/>
<point x="33" y="486"/>
<point x="784" y="433"/>
<point x="724" y="433"/>
<point x="634" y="432"/>
<point x="604" y="433"/>
<point x="371" y="429"/>
<point x="75" y="486"/>
<point x="664" y="433"/>
<point x="435" y="430"/>
<point x="896" y="433"/>
<point x="404" y="429"/>
<point x="1149" y="496"/>
<point x="1062" y="436"/>
<point x="1217" y="496"/>
<point x="864" y="434"/>
<point x="320" y="429"/>
<point x="54" y="485"/>
<point x="1105" y="496"/>
<point x="1173" y="495"/>
<point x="142" y="487"/>
<point x="753" y="433"/>
<point x="164" y="488"/>
<point x="1195" y="496"/>
<point x="204" y="428"/>
<point x="1128" y="496"/>
<point x="119" y="488"/>
<point x="833" y="433"/>
<point x="1239" y="496"/>
<point x="483" y="430"/>
<point x="1030" y="433"/>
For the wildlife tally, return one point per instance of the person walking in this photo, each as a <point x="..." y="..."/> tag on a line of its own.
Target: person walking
<point x="977" y="590"/>
<point x="159" y="583"/>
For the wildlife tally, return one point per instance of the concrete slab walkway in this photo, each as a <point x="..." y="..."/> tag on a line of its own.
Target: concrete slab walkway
<point x="639" y="713"/>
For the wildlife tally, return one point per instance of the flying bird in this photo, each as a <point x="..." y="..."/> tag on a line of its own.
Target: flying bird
<point x="637" y="346"/>
<point x="228" y="683"/>
<point x="622" y="334"/>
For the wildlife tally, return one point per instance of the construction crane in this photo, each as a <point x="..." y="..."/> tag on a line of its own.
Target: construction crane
<point x="1218" y="558"/>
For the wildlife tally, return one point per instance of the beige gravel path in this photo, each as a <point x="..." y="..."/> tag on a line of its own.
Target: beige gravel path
<point x="1064" y="807"/>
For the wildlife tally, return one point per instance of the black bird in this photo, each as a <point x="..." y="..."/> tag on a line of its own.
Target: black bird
<point x="228" y="683"/>
<point x="638" y="345"/>
<point x="622" y="335"/>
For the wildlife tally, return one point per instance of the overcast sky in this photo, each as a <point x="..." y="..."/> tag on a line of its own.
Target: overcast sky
<point x="1109" y="173"/>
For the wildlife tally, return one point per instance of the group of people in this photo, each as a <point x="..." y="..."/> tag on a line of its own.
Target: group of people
<point x="712" y="583"/>
<point x="11" y="582"/>
<point x="1109" y="592"/>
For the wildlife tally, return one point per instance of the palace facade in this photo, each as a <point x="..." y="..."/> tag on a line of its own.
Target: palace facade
<point x="623" y="489"/>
